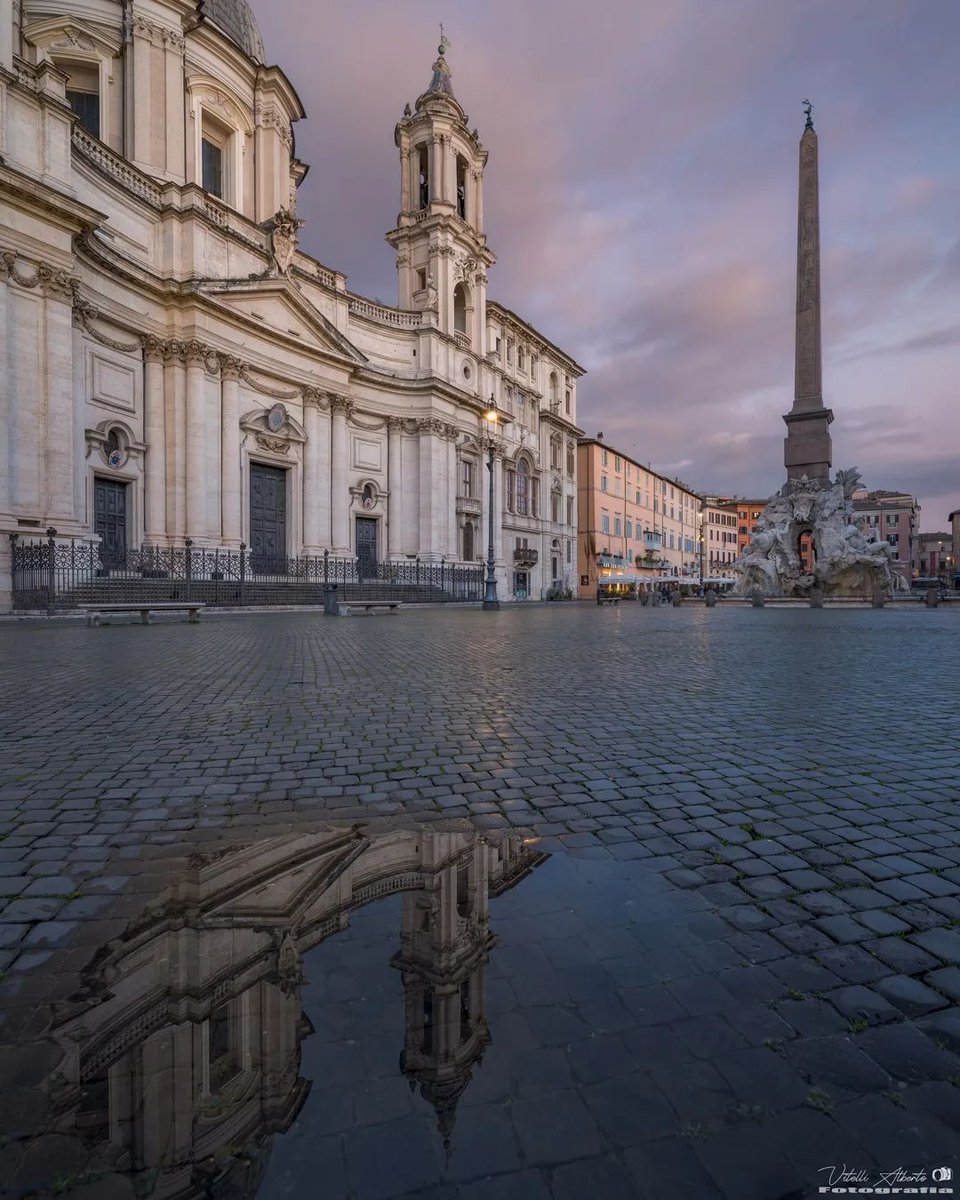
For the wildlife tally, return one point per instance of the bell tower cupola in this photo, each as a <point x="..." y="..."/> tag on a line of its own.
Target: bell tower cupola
<point x="442" y="255"/>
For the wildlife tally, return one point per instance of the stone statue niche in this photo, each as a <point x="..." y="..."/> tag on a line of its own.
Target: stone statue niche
<point x="846" y="563"/>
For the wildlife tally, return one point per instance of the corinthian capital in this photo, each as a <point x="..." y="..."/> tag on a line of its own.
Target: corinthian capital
<point x="230" y="367"/>
<point x="196" y="353"/>
<point x="153" y="348"/>
<point x="316" y="398"/>
<point x="340" y="404"/>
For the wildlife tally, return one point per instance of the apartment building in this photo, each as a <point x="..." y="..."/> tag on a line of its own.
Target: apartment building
<point x="636" y="527"/>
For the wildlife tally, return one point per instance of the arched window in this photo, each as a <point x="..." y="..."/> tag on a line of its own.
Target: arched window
<point x="468" y="542"/>
<point x="423" y="176"/>
<point x="523" y="487"/>
<point x="554" y="385"/>
<point x="521" y="359"/>
<point x="461" y="188"/>
<point x="460" y="308"/>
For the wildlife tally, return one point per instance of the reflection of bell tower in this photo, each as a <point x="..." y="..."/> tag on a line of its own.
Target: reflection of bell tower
<point x="444" y="944"/>
<point x="442" y="256"/>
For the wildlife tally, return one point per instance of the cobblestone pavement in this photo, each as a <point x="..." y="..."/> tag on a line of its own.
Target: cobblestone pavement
<point x="793" y="773"/>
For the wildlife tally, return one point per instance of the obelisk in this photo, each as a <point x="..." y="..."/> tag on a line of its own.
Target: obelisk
<point x="806" y="448"/>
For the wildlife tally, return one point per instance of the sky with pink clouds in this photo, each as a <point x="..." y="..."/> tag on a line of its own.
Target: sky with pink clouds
<point x="641" y="199"/>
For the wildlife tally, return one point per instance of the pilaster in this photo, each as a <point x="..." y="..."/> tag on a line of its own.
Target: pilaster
<point x="231" y="516"/>
<point x="340" y="408"/>
<point x="154" y="463"/>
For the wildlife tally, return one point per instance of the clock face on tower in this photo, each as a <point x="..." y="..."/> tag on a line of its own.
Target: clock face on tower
<point x="276" y="418"/>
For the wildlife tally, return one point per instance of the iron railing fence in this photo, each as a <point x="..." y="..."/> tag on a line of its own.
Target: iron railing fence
<point x="55" y="574"/>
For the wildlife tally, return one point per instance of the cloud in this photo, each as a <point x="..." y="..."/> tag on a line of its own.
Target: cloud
<point x="641" y="199"/>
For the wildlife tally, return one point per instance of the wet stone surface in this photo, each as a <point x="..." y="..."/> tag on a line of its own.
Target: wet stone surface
<point x="738" y="964"/>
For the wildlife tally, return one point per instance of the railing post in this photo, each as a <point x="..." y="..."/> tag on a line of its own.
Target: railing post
<point x="442" y="564"/>
<point x="326" y="567"/>
<point x="189" y="565"/>
<point x="51" y="567"/>
<point x="14" y="570"/>
<point x="243" y="573"/>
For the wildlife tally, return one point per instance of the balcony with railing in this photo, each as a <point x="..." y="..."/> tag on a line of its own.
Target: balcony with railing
<point x="526" y="556"/>
<point x="462" y="339"/>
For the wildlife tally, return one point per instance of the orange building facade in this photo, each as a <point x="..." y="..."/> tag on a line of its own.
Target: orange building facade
<point x="636" y="527"/>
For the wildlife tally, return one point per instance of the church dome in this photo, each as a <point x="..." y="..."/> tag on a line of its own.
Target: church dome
<point x="234" y="18"/>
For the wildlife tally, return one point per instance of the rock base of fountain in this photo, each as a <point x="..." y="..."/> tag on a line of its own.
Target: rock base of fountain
<point x="846" y="564"/>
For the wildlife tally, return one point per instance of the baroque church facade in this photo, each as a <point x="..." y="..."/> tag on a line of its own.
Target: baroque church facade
<point x="174" y="367"/>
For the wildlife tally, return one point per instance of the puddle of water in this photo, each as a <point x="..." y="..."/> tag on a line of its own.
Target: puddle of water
<point x="342" y="1014"/>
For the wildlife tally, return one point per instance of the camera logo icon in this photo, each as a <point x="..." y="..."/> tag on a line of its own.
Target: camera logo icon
<point x="941" y="1174"/>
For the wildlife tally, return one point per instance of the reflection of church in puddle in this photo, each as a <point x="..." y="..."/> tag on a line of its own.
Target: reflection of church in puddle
<point x="185" y="1056"/>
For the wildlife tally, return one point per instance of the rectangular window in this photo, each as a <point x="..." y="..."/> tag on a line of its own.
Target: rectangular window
<point x="568" y="552"/>
<point x="466" y="478"/>
<point x="604" y="485"/>
<point x="893" y="518"/>
<point x="569" y="510"/>
<point x="567" y="402"/>
<point x="212" y="168"/>
<point x="616" y="486"/>
<point x="628" y="531"/>
<point x="605" y="522"/>
<point x="86" y="105"/>
<point x="616" y="526"/>
<point x="570" y="463"/>
<point x="603" y="457"/>
<point x="616" y="462"/>
<point x="554" y="507"/>
<point x="638" y="497"/>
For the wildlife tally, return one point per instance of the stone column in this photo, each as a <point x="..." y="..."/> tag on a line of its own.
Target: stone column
<point x="405" y="179"/>
<point x="453" y="539"/>
<point x="499" y="499"/>
<point x="316" y="480"/>
<point x="439" y="166"/>
<point x="478" y="201"/>
<point x="196" y="517"/>
<point x="340" y="407"/>
<point x="175" y="422"/>
<point x="427" y="540"/>
<point x="57" y="368"/>
<point x="155" y="458"/>
<point x="231" y="502"/>
<point x="6" y="373"/>
<point x="395" y="485"/>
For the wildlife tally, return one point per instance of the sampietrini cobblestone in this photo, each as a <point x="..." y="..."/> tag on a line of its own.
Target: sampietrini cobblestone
<point x="764" y="763"/>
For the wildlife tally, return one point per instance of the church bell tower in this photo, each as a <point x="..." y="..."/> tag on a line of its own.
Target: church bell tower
<point x="442" y="256"/>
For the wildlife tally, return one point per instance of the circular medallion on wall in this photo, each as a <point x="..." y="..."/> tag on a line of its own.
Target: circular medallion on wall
<point x="467" y="373"/>
<point x="276" y="418"/>
<point x="115" y="458"/>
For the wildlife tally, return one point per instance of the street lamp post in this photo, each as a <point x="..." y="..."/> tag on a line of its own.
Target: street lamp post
<point x="490" y="601"/>
<point x="702" y="543"/>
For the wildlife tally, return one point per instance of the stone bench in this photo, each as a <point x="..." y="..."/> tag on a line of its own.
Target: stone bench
<point x="190" y="607"/>
<point x="367" y="605"/>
